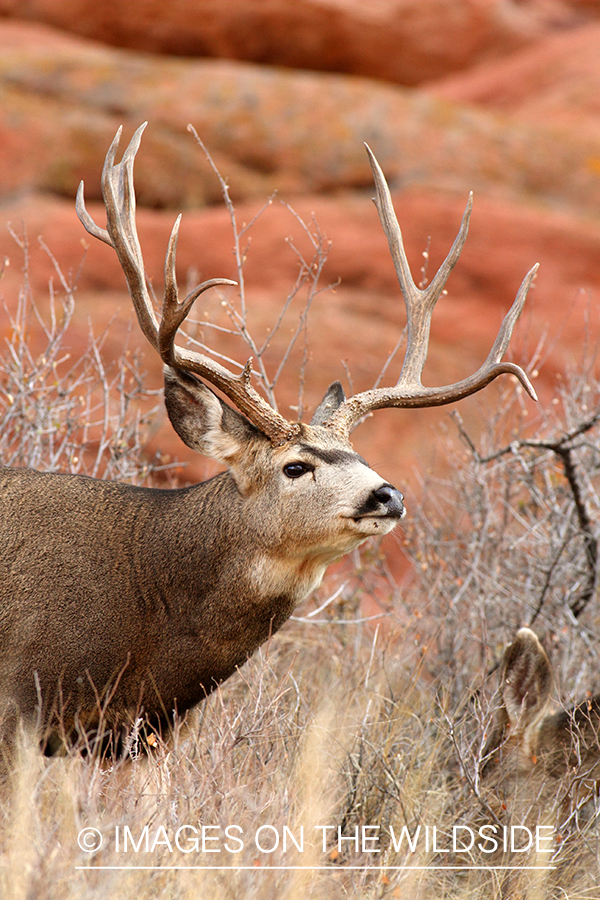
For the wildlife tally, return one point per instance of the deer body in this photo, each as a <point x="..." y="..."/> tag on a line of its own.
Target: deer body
<point x="118" y="602"/>
<point x="195" y="579"/>
<point x="180" y="597"/>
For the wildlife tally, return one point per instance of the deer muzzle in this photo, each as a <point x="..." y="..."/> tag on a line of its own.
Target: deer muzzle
<point x="385" y="502"/>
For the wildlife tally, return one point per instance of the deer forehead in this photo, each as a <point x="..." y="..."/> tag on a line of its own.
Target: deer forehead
<point x="318" y="447"/>
<point x="331" y="458"/>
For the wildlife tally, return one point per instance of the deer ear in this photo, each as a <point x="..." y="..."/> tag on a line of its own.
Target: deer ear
<point x="526" y="680"/>
<point x="203" y="421"/>
<point x="332" y="400"/>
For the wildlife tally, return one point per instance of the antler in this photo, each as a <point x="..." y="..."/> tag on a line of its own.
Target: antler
<point x="121" y="234"/>
<point x="409" y="391"/>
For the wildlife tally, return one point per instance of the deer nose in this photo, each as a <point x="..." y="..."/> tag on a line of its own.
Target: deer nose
<point x="391" y="498"/>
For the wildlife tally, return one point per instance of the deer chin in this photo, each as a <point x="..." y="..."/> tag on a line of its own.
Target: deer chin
<point x="369" y="525"/>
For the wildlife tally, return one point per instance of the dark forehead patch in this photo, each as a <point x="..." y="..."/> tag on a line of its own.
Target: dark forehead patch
<point x="333" y="456"/>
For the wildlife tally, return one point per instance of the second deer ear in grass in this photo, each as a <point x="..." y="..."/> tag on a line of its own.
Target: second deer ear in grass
<point x="526" y="683"/>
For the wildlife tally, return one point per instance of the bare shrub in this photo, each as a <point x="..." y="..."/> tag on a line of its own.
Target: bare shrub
<point x="61" y="408"/>
<point x="511" y="539"/>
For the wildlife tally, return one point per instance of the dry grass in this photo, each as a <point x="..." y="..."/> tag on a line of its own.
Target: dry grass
<point x="318" y="730"/>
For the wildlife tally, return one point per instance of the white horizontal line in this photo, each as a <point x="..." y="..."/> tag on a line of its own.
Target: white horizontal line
<point x="330" y="868"/>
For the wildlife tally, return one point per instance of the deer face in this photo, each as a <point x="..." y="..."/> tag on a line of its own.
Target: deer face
<point x="313" y="496"/>
<point x="332" y="500"/>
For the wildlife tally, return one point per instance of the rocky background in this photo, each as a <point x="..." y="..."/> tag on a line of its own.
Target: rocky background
<point x="495" y="96"/>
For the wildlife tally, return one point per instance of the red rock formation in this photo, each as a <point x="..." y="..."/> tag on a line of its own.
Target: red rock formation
<point x="557" y="80"/>
<point x="404" y="41"/>
<point x="62" y="100"/>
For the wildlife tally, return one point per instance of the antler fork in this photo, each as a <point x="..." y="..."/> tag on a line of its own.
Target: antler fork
<point x="409" y="391"/>
<point x="121" y="234"/>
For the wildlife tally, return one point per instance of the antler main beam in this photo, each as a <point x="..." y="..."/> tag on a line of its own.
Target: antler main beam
<point x="121" y="234"/>
<point x="409" y="391"/>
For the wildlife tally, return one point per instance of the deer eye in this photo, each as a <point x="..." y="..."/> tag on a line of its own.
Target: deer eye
<point x="297" y="469"/>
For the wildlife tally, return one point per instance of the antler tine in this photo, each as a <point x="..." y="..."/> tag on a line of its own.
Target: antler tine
<point x="419" y="303"/>
<point x="409" y="391"/>
<point x="121" y="234"/>
<point x="173" y="312"/>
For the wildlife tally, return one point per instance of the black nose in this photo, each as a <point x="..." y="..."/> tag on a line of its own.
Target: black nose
<point x="390" y="498"/>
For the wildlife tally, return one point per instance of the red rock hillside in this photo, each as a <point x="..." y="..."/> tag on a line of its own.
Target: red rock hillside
<point x="452" y="95"/>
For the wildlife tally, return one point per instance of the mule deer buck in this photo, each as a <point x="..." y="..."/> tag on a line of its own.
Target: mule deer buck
<point x="543" y="766"/>
<point x="119" y="602"/>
